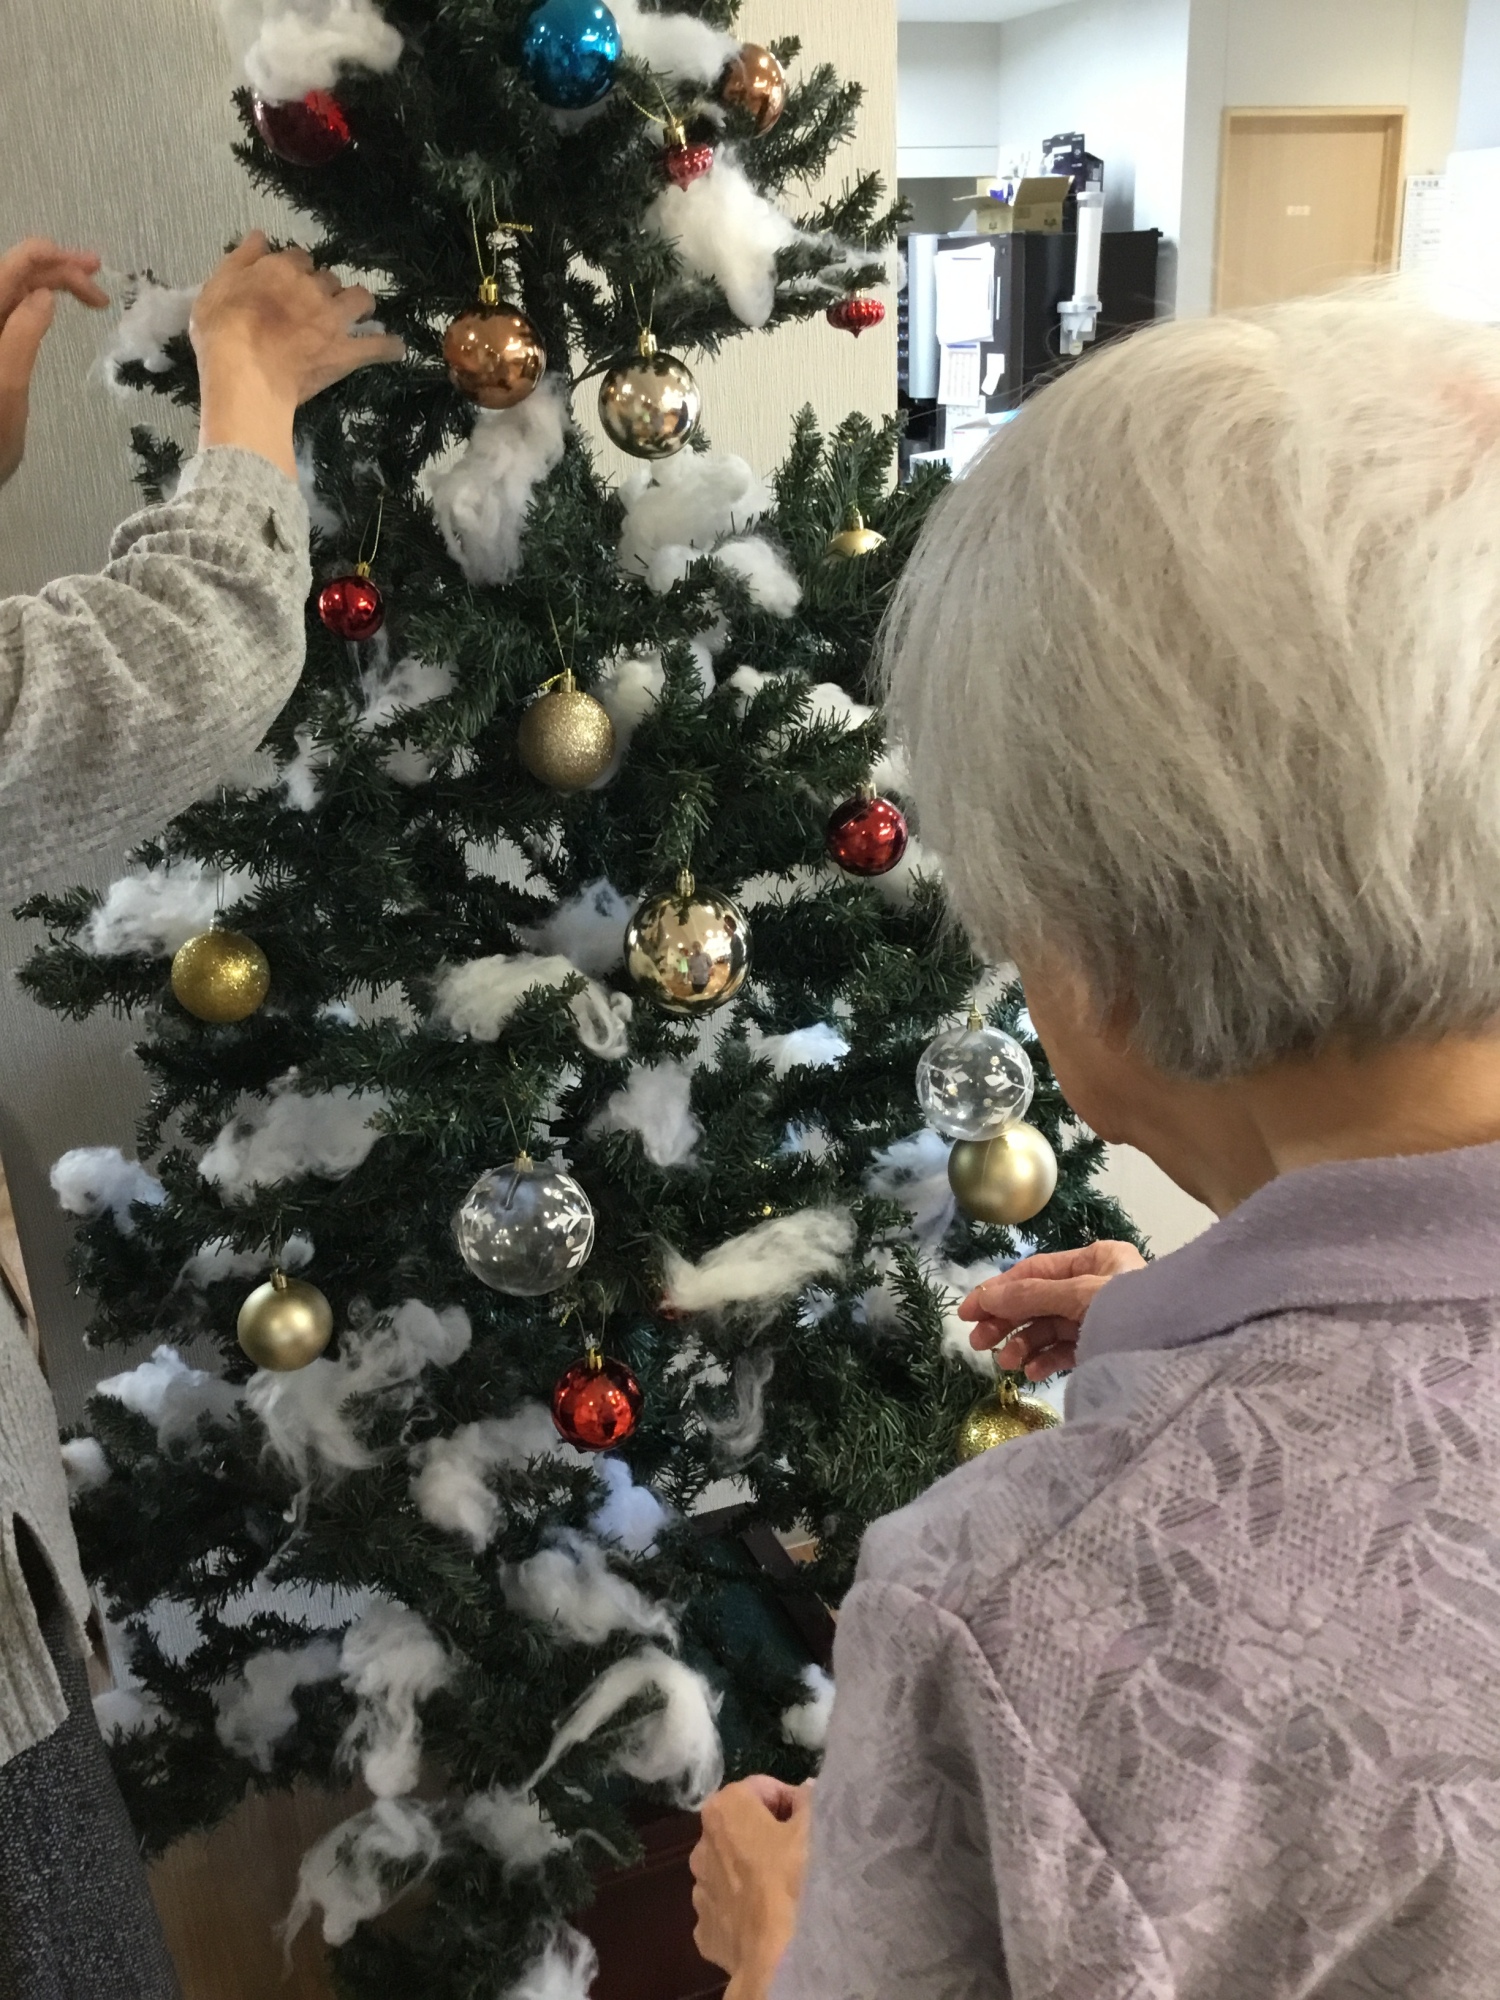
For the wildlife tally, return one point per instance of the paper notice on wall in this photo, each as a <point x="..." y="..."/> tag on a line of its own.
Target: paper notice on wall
<point x="958" y="375"/>
<point x="964" y="284"/>
<point x="1422" y="222"/>
<point x="994" y="368"/>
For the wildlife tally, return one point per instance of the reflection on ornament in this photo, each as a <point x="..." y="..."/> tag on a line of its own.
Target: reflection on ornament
<point x="524" y="1229"/>
<point x="566" y="738"/>
<point x="649" y="405"/>
<point x="867" y="835"/>
<point x="1009" y="1178"/>
<point x="285" y="1323"/>
<point x="352" y="607"/>
<point x="854" y="538"/>
<point x="972" y="1081"/>
<point x="306" y="131"/>
<point x="754" y="81"/>
<point x="1004" y="1414"/>
<point x="684" y="161"/>
<point x="855" y="315"/>
<point x="221" y="976"/>
<point x="494" y="354"/>
<point x="569" y="52"/>
<point x="688" y="951"/>
<point x="596" y="1403"/>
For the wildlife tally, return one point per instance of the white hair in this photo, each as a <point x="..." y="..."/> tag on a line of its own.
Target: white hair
<point x="1199" y="671"/>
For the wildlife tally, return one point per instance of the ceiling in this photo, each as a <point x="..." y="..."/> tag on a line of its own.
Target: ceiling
<point x="971" y="10"/>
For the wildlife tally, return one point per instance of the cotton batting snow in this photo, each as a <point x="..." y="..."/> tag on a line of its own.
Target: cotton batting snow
<point x="153" y="315"/>
<point x="631" y="1516"/>
<point x="451" y="1483"/>
<point x="629" y="687"/>
<point x="390" y="1662"/>
<point x="914" y="1172"/>
<point x="84" y="1465"/>
<point x="156" y="910"/>
<point x="588" y="930"/>
<point x="171" y="1395"/>
<point x="764" y="571"/>
<point x="571" y="1588"/>
<point x="817" y="1047"/>
<point x="724" y="229"/>
<point x="740" y="1429"/>
<point x="773" y="1261"/>
<point x="513" y="1827"/>
<point x="806" y="1722"/>
<point x="481" y="494"/>
<point x="828" y="702"/>
<point x="676" y="1746"/>
<point x="289" y="47"/>
<point x="656" y="1104"/>
<point x="362" y="1866"/>
<point x="219" y="1259"/>
<point x="566" y="1970"/>
<point x="255" y="1710"/>
<point x="291" y="1133"/>
<point x="685" y="504"/>
<point x="679" y="46"/>
<point x="126" y="1711"/>
<point x="98" y="1180"/>
<point x="478" y="998"/>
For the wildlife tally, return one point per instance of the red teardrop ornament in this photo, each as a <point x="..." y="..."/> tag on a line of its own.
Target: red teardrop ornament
<point x="866" y="836"/>
<point x="352" y="607"/>
<point x="597" y="1403"/>
<point x="685" y="164"/>
<point x="856" y="315"/>
<point x="308" y="131"/>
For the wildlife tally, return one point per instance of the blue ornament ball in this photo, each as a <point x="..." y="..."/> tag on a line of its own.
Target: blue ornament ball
<point x="569" y="51"/>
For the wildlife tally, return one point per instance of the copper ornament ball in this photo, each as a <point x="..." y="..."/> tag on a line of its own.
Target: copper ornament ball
<point x="754" y="81"/>
<point x="688" y="950"/>
<point x="352" y="607"/>
<point x="1007" y="1179"/>
<point x="494" y="354"/>
<point x="285" y="1323"/>
<point x="1003" y="1415"/>
<point x="221" y="976"/>
<point x="566" y="738"/>
<point x="650" y="405"/>
<point x="596" y="1403"/>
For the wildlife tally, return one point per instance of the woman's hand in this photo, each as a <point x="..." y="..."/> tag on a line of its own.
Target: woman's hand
<point x="31" y="275"/>
<point x="270" y="331"/>
<point x="747" y="1873"/>
<point x="1031" y="1313"/>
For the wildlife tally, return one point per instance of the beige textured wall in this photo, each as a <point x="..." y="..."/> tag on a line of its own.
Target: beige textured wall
<point x="114" y="131"/>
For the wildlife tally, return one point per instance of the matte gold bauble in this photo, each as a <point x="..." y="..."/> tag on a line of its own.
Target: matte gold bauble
<point x="494" y="353"/>
<point x="1004" y="1414"/>
<point x="755" y="82"/>
<point x="854" y="538"/>
<point x="221" y="976"/>
<point x="689" y="950"/>
<point x="285" y="1323"/>
<point x="1009" y="1178"/>
<point x="650" y="405"/>
<point x="566" y="737"/>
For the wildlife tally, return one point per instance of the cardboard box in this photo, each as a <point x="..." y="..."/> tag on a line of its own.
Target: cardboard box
<point x="1036" y="204"/>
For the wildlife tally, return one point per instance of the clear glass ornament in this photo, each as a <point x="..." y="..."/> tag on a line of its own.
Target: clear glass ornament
<point x="524" y="1229"/>
<point x="974" y="1081"/>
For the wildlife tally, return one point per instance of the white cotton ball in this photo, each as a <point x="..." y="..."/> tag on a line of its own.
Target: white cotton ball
<point x="362" y="1866"/>
<point x="588" y="930"/>
<point x="690" y="501"/>
<point x="171" y="1395"/>
<point x="957" y="1281"/>
<point x="255" y="1710"/>
<point x="301" y="777"/>
<point x="451" y="1483"/>
<point x="764" y="571"/>
<point x="806" y="1722"/>
<point x="513" y="1827"/>
<point x="655" y="1103"/>
<point x="571" y="1588"/>
<point x="156" y="910"/>
<point x="566" y="1970"/>
<point x="914" y="1171"/>
<point x="289" y="47"/>
<point x="723" y="228"/>
<point x="478" y="998"/>
<point x="126" y="1711"/>
<point x="482" y="493"/>
<point x="220" y="1259"/>
<point x="409" y="684"/>
<point x="92" y="1181"/>
<point x="631" y="1516"/>
<point x="740" y="1430"/>
<point x="390" y="1661"/>
<point x="281" y="1137"/>
<point x="676" y="1746"/>
<point x="153" y="315"/>
<point x="771" y="1262"/>
<point x="84" y="1465"/>
<point x="675" y="45"/>
<point x="817" y="1047"/>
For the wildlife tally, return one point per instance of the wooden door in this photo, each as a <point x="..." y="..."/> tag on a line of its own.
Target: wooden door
<point x="1308" y="199"/>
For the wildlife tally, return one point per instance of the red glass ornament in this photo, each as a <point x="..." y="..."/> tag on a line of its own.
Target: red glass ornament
<point x="685" y="164"/>
<point x="855" y="315"/>
<point x="597" y="1403"/>
<point x="866" y="836"/>
<point x="352" y="607"/>
<point x="308" y="131"/>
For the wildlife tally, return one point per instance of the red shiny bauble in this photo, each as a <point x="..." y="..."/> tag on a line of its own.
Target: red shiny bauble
<point x="308" y="131"/>
<point x="597" y="1403"/>
<point x="685" y="164"/>
<point x="855" y="315"/>
<point x="866" y="836"/>
<point x="352" y="607"/>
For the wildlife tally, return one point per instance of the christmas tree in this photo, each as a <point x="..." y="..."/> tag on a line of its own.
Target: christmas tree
<point x="701" y="1220"/>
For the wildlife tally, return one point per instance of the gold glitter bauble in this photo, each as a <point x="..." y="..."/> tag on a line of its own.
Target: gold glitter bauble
<point x="755" y="82"/>
<point x="566" y="737"/>
<point x="650" y="406"/>
<point x="1009" y="1178"/>
<point x="285" y="1323"/>
<point x="494" y="353"/>
<point x="221" y="976"/>
<point x="1004" y="1414"/>
<point x="854" y="538"/>
<point x="688" y="950"/>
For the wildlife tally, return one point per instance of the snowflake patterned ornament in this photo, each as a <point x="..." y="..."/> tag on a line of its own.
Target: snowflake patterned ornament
<point x="974" y="1081"/>
<point x="524" y="1229"/>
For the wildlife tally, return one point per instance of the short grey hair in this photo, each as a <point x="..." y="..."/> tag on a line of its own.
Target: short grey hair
<point x="1198" y="671"/>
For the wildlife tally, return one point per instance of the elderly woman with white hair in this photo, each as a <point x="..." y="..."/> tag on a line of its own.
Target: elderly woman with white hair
<point x="1198" y="1698"/>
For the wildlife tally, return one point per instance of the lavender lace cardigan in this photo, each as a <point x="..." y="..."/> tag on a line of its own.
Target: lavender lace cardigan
<point x="123" y="696"/>
<point x="1199" y="1697"/>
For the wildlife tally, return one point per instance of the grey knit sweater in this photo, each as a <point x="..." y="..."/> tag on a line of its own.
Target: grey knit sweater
<point x="123" y="696"/>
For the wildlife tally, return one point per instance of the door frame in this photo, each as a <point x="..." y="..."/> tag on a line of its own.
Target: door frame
<point x="1393" y="179"/>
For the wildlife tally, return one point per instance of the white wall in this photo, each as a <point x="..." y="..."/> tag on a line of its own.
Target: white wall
<point x="1479" y="94"/>
<point x="947" y="115"/>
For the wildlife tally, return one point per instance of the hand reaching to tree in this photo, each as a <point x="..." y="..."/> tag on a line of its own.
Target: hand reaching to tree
<point x="1031" y="1313"/>
<point x="747" y="1879"/>
<point x="31" y="276"/>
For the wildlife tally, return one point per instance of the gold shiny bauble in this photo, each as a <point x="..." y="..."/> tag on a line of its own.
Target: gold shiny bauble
<point x="285" y="1323"/>
<point x="221" y="976"/>
<point x="688" y="951"/>
<point x="650" y="405"/>
<point x="1004" y="1414"/>
<point x="566" y="737"/>
<point x="755" y="82"/>
<point x="494" y="353"/>
<point x="854" y="538"/>
<point x="1009" y="1178"/>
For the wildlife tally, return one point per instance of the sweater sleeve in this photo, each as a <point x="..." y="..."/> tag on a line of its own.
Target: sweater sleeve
<point x="124" y="695"/>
